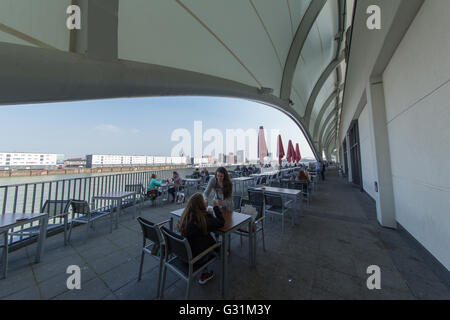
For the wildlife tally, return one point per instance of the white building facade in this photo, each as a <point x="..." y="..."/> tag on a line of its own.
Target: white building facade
<point x="108" y="160"/>
<point x="23" y="160"/>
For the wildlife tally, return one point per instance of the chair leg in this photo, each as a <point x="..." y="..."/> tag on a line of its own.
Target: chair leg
<point x="70" y="231"/>
<point x="5" y="256"/>
<point x="161" y="294"/>
<point x="263" y="241"/>
<point x="241" y="240"/>
<point x="87" y="232"/>
<point x="141" y="265"/>
<point x="159" y="278"/>
<point x="282" y="224"/>
<point x="65" y="233"/>
<point x="188" y="289"/>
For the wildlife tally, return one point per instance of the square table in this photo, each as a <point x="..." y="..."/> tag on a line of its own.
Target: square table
<point x="233" y="220"/>
<point x="118" y="197"/>
<point x="241" y="181"/>
<point x="191" y="182"/>
<point x="291" y="193"/>
<point x="12" y="220"/>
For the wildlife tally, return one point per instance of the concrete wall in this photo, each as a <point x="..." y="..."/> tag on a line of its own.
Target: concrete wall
<point x="363" y="57"/>
<point x="417" y="97"/>
<point x="367" y="153"/>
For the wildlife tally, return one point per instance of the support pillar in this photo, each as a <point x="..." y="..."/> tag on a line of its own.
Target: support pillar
<point x="383" y="173"/>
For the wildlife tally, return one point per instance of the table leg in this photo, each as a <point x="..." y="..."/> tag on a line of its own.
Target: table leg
<point x="5" y="255"/>
<point x="225" y="265"/>
<point x="251" y="244"/>
<point x="134" y="206"/>
<point x="222" y="268"/>
<point x="42" y="237"/>
<point x="119" y="209"/>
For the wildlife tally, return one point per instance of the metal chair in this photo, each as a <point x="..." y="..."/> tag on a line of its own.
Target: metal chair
<point x="87" y="216"/>
<point x="140" y="196"/>
<point x="237" y="203"/>
<point x="274" y="204"/>
<point x="178" y="258"/>
<point x="257" y="225"/>
<point x="152" y="233"/>
<point x="305" y="186"/>
<point x="57" y="211"/>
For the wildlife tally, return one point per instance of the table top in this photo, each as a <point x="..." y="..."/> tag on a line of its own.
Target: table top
<point x="232" y="219"/>
<point x="115" y="195"/>
<point x="8" y="220"/>
<point x="279" y="190"/>
<point x="192" y="179"/>
<point x="242" y="179"/>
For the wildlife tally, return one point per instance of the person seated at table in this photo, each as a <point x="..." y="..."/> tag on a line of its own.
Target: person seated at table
<point x="152" y="191"/>
<point x="175" y="183"/>
<point x="303" y="175"/>
<point x="196" y="224"/>
<point x="245" y="170"/>
<point x="223" y="189"/>
<point x="205" y="175"/>
<point x="196" y="174"/>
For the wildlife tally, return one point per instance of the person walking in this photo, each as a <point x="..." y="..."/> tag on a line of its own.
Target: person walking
<point x="322" y="170"/>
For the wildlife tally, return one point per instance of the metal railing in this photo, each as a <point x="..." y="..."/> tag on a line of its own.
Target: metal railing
<point x="30" y="197"/>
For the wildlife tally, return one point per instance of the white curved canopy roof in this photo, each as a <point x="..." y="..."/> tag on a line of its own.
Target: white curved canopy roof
<point x="181" y="47"/>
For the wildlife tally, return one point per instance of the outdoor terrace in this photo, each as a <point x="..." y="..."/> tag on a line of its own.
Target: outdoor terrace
<point x="324" y="256"/>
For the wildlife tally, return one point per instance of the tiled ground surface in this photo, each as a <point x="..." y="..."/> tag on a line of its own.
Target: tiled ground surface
<point x="324" y="256"/>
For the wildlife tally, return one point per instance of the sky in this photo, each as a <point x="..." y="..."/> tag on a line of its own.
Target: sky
<point x="136" y="126"/>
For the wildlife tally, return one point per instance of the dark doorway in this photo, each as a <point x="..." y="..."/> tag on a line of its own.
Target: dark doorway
<point x="344" y="148"/>
<point x="355" y="156"/>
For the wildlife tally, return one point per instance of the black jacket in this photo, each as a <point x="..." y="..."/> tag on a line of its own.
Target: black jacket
<point x="198" y="241"/>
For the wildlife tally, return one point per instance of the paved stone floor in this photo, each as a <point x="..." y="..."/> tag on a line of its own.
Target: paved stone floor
<point x="324" y="256"/>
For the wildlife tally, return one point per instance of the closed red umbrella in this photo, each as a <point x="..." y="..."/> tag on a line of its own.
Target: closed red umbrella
<point x="262" y="146"/>
<point x="290" y="156"/>
<point x="298" y="157"/>
<point x="280" y="149"/>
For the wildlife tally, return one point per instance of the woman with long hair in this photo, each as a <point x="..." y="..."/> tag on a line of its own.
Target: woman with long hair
<point x="223" y="189"/>
<point x="196" y="223"/>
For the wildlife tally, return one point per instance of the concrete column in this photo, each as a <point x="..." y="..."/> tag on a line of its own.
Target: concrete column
<point x="383" y="174"/>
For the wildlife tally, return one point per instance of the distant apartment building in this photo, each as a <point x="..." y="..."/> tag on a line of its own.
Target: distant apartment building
<point x="75" y="163"/>
<point x="108" y="160"/>
<point x="24" y="160"/>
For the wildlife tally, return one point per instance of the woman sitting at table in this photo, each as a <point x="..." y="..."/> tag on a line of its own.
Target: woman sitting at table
<point x="175" y="184"/>
<point x="152" y="191"/>
<point x="223" y="189"/>
<point x="196" y="223"/>
<point x="303" y="175"/>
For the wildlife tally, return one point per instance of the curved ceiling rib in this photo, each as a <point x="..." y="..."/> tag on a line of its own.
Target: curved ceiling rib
<point x="303" y="30"/>
<point x="326" y="123"/>
<point x="330" y="99"/>
<point x="319" y="84"/>
<point x="325" y="137"/>
<point x="329" y="133"/>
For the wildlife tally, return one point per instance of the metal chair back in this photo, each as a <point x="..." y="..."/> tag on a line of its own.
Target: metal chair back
<point x="150" y="231"/>
<point x="237" y="202"/>
<point x="256" y="197"/>
<point x="273" y="200"/>
<point x="177" y="245"/>
<point x="55" y="208"/>
<point x="80" y="207"/>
